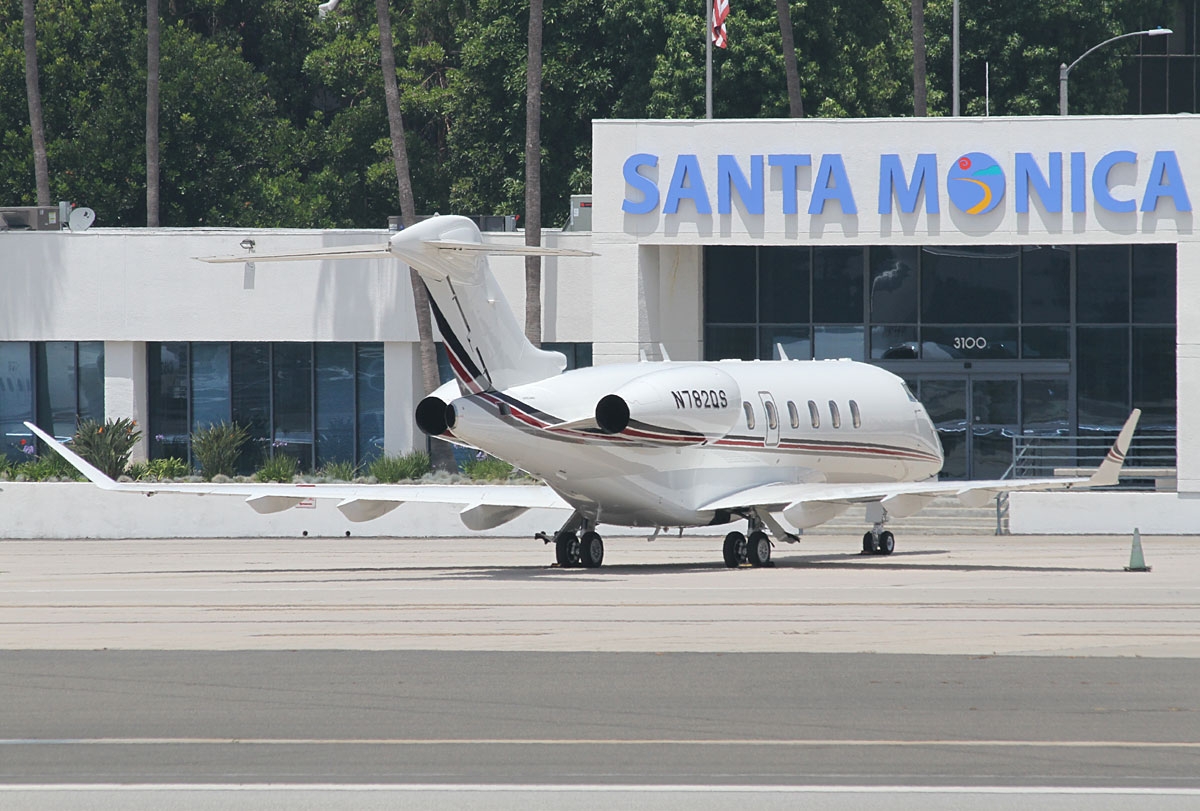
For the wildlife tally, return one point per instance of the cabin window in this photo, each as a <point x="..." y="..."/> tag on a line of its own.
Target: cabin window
<point x="772" y="416"/>
<point x="794" y="414"/>
<point x="834" y="417"/>
<point x="855" y="416"/>
<point x="814" y="415"/>
<point x="749" y="409"/>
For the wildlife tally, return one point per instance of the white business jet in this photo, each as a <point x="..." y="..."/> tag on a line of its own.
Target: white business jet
<point x="781" y="445"/>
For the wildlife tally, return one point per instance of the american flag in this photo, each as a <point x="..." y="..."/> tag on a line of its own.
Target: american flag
<point x="720" y="12"/>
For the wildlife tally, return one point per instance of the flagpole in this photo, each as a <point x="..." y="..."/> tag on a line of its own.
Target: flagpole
<point x="708" y="60"/>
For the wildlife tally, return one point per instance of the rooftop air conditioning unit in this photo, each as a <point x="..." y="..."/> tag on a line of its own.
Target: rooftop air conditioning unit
<point x="29" y="218"/>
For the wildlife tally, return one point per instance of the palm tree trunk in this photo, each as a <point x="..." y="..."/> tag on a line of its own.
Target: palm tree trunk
<point x="34" y="94"/>
<point x="533" y="175"/>
<point x="441" y="454"/>
<point x="918" y="37"/>
<point x="795" y="103"/>
<point x="152" y="46"/>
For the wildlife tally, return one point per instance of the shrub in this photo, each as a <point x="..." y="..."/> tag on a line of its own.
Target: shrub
<point x="48" y="467"/>
<point x="487" y="468"/>
<point x="107" y="446"/>
<point x="280" y="468"/>
<point x="339" y="471"/>
<point x="217" y="448"/>
<point x="392" y="469"/>
<point x="159" y="469"/>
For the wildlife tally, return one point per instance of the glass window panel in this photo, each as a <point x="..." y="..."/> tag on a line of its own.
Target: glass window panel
<point x="729" y="285"/>
<point x="56" y="387"/>
<point x="993" y="402"/>
<point x="946" y="401"/>
<point x="839" y="342"/>
<point x="293" y="402"/>
<point x="893" y="284"/>
<point x="1154" y="375"/>
<point x="749" y="409"/>
<point x="814" y="414"/>
<point x="578" y="355"/>
<point x="835" y="417"/>
<point x="1044" y="405"/>
<point x="91" y="380"/>
<point x="16" y="399"/>
<point x="954" y="452"/>
<point x="167" y="367"/>
<point x="783" y="275"/>
<point x="721" y="343"/>
<point x="1046" y="284"/>
<point x="1102" y="284"/>
<point x="968" y="342"/>
<point x="793" y="414"/>
<point x="855" y="414"/>
<point x="991" y="452"/>
<point x="1102" y="379"/>
<point x="838" y="285"/>
<point x="210" y="384"/>
<point x="250" y="375"/>
<point x="969" y="283"/>
<point x="796" y="343"/>
<point x="370" y="400"/>
<point x="336" y="385"/>
<point x="1154" y="284"/>
<point x="894" y="343"/>
<point x="1045" y="342"/>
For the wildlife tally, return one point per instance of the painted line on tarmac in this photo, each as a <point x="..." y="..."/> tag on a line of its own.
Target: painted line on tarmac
<point x="598" y="787"/>
<point x="418" y="742"/>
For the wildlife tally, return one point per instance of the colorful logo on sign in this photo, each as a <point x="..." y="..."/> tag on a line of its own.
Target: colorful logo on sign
<point x="975" y="183"/>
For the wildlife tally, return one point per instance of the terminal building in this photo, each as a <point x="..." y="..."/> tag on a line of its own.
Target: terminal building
<point x="1026" y="276"/>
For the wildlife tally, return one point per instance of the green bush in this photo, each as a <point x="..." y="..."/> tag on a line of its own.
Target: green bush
<point x="217" y="448"/>
<point x="47" y="467"/>
<point x="339" y="471"/>
<point x="280" y="468"/>
<point x="392" y="469"/>
<point x="159" y="469"/>
<point x="107" y="446"/>
<point x="487" y="468"/>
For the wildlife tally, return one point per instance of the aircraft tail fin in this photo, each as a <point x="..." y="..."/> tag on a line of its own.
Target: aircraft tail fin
<point x="1109" y="471"/>
<point x="487" y="347"/>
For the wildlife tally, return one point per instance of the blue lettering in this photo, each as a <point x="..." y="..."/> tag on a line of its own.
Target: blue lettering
<point x="892" y="181"/>
<point x="1100" y="190"/>
<point x="1078" y="182"/>
<point x="687" y="171"/>
<point x="729" y="176"/>
<point x="1165" y="181"/>
<point x="640" y="183"/>
<point x="788" y="165"/>
<point x="1030" y="178"/>
<point x="832" y="169"/>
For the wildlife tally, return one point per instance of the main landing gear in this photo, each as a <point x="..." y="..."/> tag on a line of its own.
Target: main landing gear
<point x="753" y="549"/>
<point x="573" y="548"/>
<point x="878" y="541"/>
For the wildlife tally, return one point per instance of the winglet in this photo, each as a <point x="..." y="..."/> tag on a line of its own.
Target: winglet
<point x="1109" y="471"/>
<point x="93" y="473"/>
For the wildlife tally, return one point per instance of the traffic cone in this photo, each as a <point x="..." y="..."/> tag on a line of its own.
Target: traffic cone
<point x="1137" y="563"/>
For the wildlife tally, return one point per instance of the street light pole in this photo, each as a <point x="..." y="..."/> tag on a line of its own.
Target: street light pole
<point x="1064" y="69"/>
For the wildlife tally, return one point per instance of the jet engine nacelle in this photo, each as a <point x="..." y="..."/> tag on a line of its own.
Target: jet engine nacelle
<point x="680" y="404"/>
<point x="432" y="414"/>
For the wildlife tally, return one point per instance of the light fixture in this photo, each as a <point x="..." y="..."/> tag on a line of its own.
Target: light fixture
<point x="247" y="243"/>
<point x="1065" y="69"/>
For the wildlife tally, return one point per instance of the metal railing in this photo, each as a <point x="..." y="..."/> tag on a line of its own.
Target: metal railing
<point x="1149" y="465"/>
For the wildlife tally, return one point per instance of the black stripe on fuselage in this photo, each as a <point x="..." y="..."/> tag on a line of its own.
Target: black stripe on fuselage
<point x="453" y="344"/>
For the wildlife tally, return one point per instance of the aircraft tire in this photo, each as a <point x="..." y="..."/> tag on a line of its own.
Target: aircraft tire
<point x="868" y="544"/>
<point x="566" y="550"/>
<point x="758" y="549"/>
<point x="887" y="543"/>
<point x="591" y="550"/>
<point x="735" y="549"/>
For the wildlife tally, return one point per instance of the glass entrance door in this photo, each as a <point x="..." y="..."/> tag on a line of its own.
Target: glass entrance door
<point x="976" y="418"/>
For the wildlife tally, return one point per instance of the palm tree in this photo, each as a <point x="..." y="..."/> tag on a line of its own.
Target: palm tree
<point x="441" y="455"/>
<point x="34" y="94"/>
<point x="152" y="43"/>
<point x="533" y="175"/>
<point x="918" y="36"/>
<point x="795" y="103"/>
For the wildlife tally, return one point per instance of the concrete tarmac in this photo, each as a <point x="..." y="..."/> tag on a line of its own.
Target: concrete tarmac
<point x="981" y="672"/>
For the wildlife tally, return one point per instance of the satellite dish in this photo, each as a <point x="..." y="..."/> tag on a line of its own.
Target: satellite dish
<point x="81" y="219"/>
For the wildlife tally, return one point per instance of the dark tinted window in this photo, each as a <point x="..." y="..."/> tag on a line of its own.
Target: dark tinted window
<point x="1154" y="375"/>
<point x="783" y="275"/>
<point x="729" y="285"/>
<point x="1102" y="284"/>
<point x="721" y="343"/>
<point x="1102" y="386"/>
<point x="837" y="285"/>
<point x="894" y="285"/>
<point x="1046" y="285"/>
<point x="1154" y="284"/>
<point x="969" y="283"/>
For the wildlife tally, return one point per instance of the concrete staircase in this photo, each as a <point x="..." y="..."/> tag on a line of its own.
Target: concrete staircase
<point x="944" y="515"/>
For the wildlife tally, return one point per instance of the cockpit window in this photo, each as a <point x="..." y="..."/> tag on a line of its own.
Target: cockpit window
<point x="908" y="391"/>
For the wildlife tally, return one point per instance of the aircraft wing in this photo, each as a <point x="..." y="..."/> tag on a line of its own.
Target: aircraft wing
<point x="797" y="500"/>
<point x="485" y="506"/>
